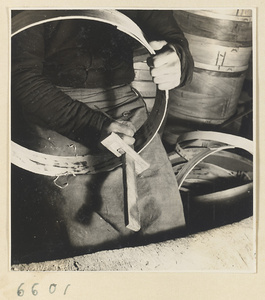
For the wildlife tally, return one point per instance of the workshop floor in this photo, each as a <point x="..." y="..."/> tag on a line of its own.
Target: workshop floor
<point x="229" y="248"/>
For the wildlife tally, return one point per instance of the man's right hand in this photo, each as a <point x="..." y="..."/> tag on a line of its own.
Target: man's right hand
<point x="125" y="129"/>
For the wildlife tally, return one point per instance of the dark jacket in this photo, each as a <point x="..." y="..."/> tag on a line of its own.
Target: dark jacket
<point x="81" y="54"/>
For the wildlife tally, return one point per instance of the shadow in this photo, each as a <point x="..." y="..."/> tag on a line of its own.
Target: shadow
<point x="204" y="216"/>
<point x="94" y="203"/>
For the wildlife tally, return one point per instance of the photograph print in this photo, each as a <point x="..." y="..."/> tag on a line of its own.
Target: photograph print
<point x="132" y="140"/>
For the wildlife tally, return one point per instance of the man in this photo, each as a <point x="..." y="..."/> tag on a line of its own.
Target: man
<point x="62" y="71"/>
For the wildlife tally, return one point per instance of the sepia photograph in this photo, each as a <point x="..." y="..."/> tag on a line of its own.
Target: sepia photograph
<point x="132" y="141"/>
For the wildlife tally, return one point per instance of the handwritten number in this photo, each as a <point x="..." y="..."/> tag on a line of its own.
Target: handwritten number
<point x="20" y="292"/>
<point x="34" y="292"/>
<point x="54" y="288"/>
<point x="66" y="288"/>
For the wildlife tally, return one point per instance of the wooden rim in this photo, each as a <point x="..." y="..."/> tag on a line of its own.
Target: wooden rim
<point x="204" y="139"/>
<point x="58" y="165"/>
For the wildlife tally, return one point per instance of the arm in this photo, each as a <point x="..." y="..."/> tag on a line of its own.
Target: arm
<point x="44" y="104"/>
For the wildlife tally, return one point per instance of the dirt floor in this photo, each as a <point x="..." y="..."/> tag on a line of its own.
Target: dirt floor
<point x="227" y="248"/>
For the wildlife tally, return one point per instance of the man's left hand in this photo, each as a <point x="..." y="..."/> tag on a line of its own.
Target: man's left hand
<point x="165" y="66"/>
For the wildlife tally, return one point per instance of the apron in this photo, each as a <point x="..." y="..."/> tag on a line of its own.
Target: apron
<point x="57" y="217"/>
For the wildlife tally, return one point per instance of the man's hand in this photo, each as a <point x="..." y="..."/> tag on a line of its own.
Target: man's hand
<point x="165" y="66"/>
<point x="124" y="129"/>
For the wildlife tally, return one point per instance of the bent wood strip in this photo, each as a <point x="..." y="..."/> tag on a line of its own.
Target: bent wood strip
<point x="52" y="165"/>
<point x="199" y="137"/>
<point x="189" y="166"/>
<point x="226" y="160"/>
<point x="229" y="139"/>
<point x="193" y="158"/>
<point x="58" y="165"/>
<point x="235" y="193"/>
<point x="32" y="18"/>
<point x="207" y="172"/>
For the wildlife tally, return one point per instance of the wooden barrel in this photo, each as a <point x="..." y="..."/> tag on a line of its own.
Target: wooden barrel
<point x="221" y="44"/>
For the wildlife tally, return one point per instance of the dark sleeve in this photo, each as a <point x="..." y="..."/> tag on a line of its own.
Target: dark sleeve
<point x="161" y="25"/>
<point x="40" y="101"/>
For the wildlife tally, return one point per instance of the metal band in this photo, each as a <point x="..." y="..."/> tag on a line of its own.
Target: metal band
<point x="51" y="165"/>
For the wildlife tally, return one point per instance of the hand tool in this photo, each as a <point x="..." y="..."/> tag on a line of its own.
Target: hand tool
<point x="133" y="164"/>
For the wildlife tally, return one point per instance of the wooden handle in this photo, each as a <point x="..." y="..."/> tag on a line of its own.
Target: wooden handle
<point x="131" y="212"/>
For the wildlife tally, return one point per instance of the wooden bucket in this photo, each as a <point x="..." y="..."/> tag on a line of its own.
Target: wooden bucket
<point x="221" y="44"/>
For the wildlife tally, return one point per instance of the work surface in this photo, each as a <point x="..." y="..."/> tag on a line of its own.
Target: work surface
<point x="228" y="248"/>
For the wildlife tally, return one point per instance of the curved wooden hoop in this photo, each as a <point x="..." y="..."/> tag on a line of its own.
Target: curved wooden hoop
<point x="226" y="141"/>
<point x="51" y="165"/>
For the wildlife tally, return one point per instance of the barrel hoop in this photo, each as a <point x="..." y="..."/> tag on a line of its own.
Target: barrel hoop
<point x="232" y="12"/>
<point x="220" y="43"/>
<point x="223" y="30"/>
<point x="223" y="16"/>
<point x="230" y="69"/>
<point x="202" y="120"/>
<point x="215" y="142"/>
<point x="194" y="161"/>
<point x="51" y="165"/>
<point x="221" y="73"/>
<point x="229" y="139"/>
<point x="204" y="40"/>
